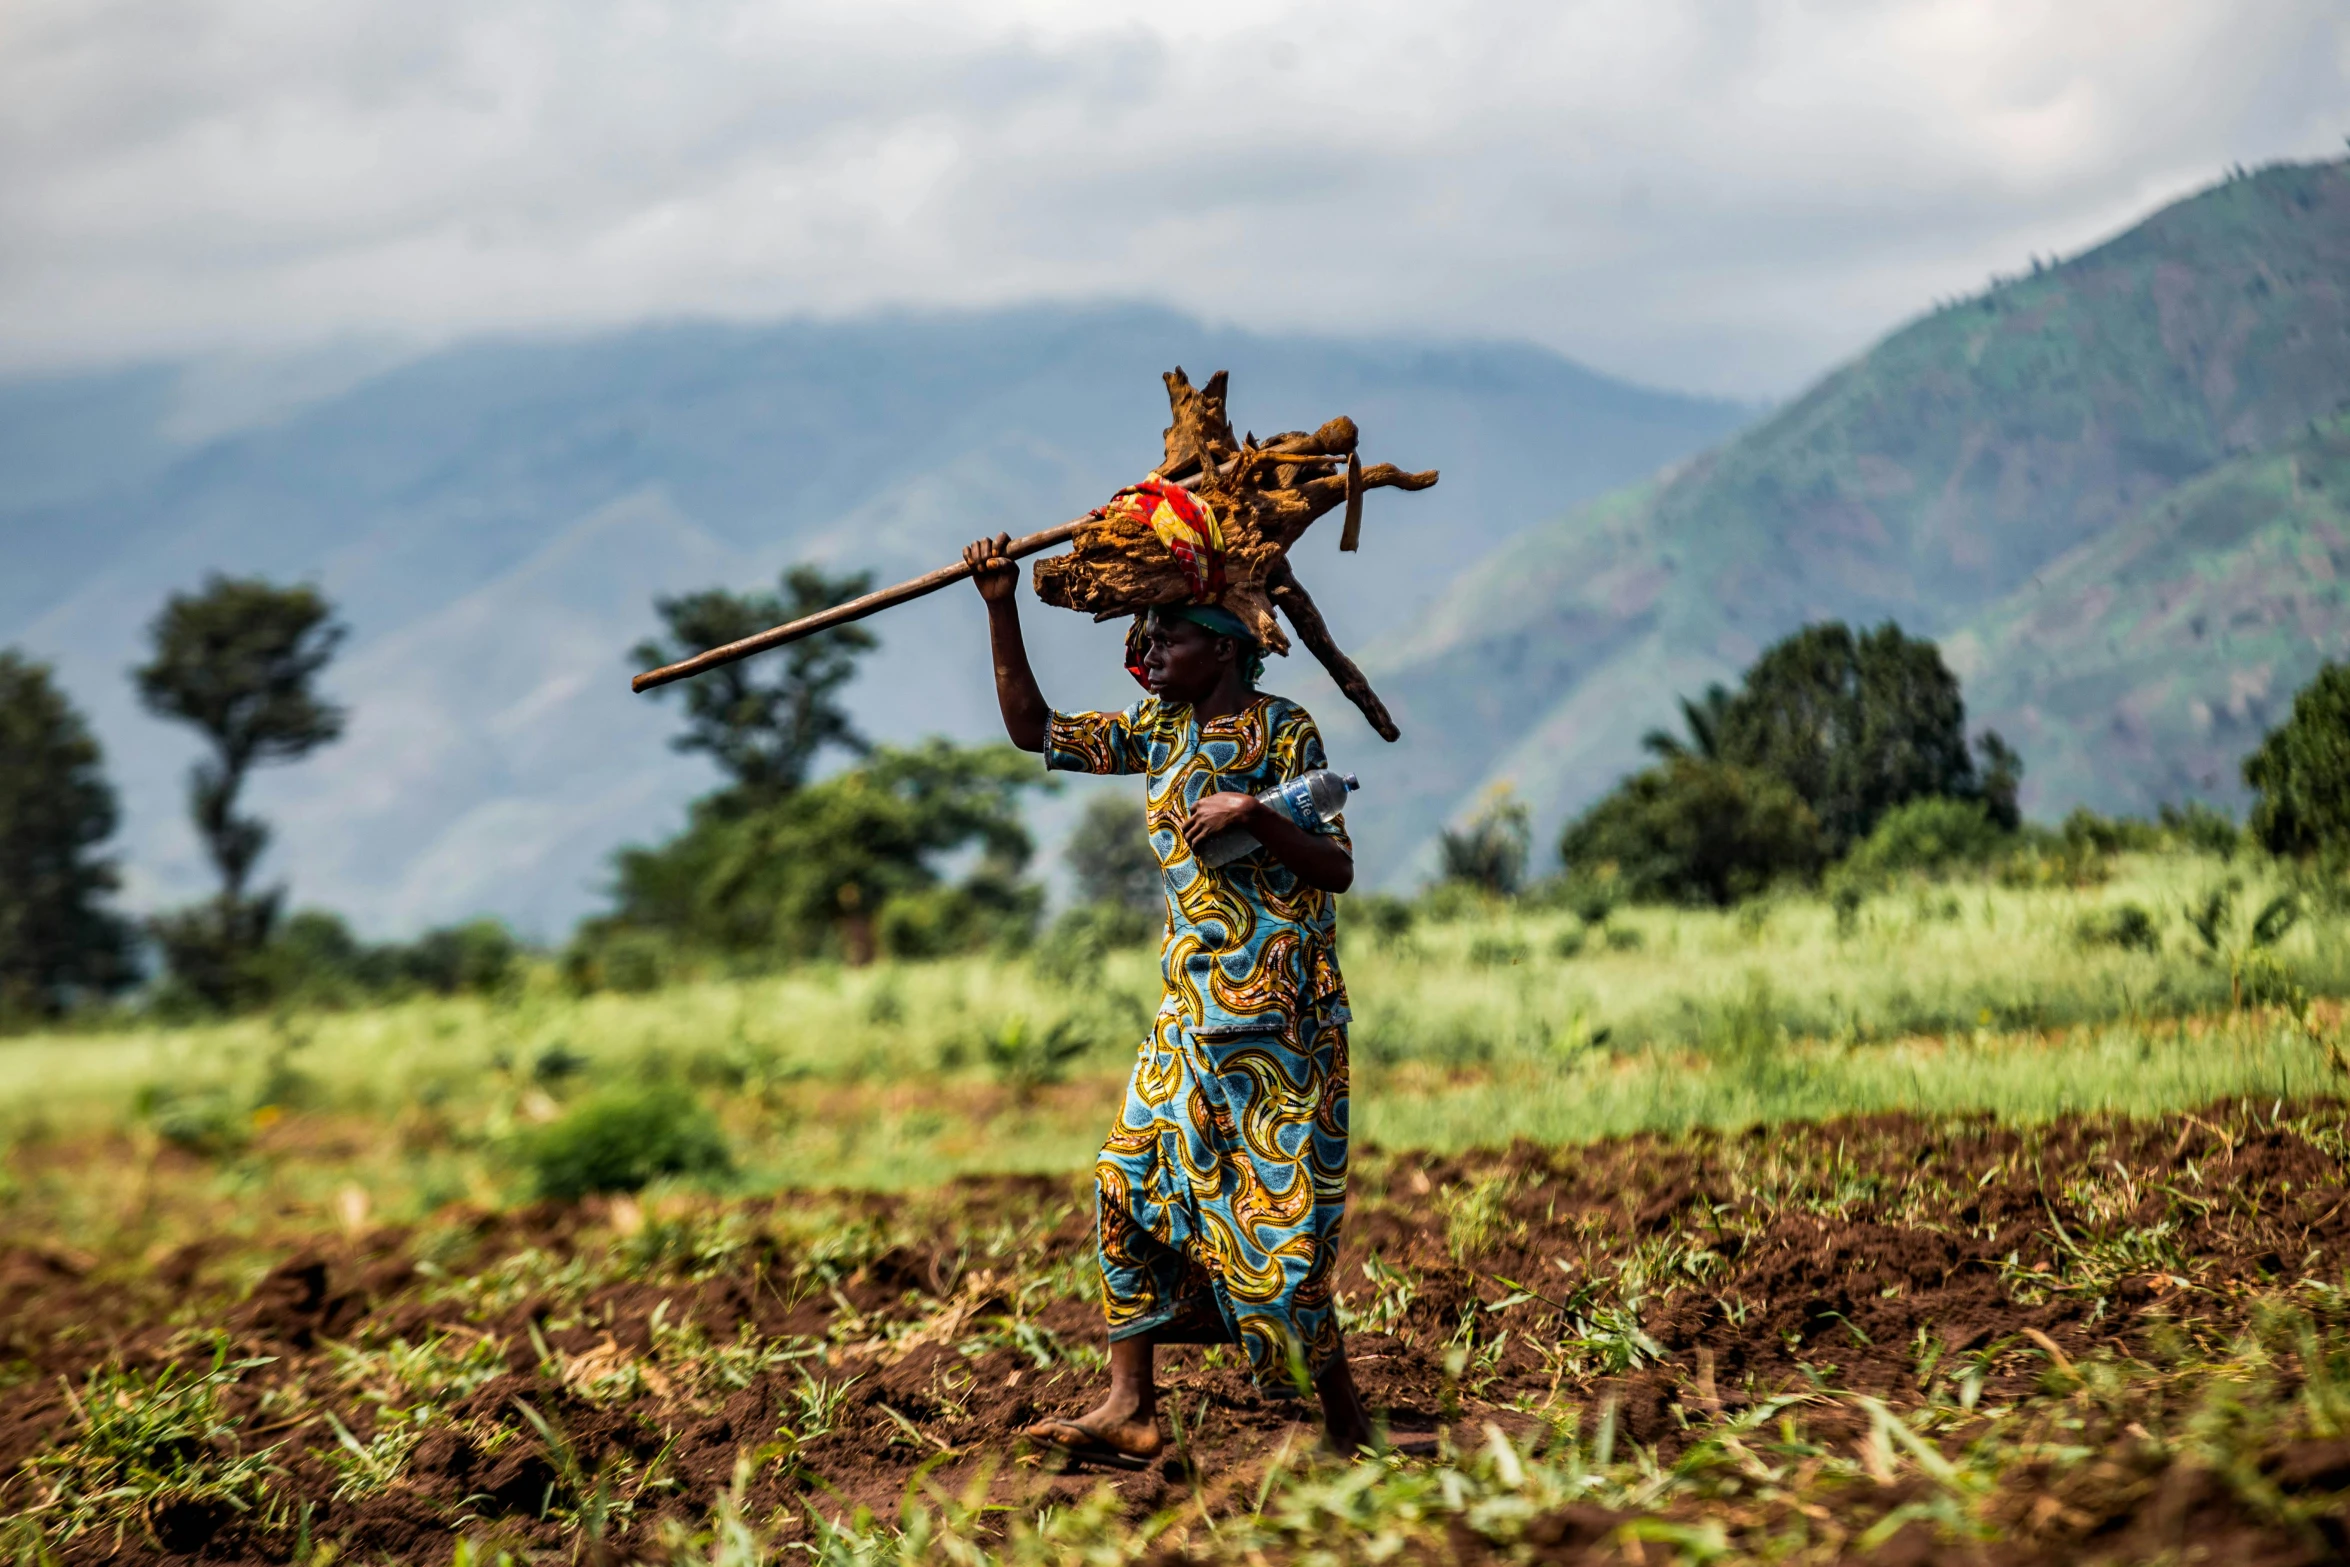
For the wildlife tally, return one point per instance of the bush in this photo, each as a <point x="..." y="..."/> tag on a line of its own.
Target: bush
<point x="1025" y="1058"/>
<point x="981" y="912"/>
<point x="1387" y="917"/>
<point x="314" y="957"/>
<point x="812" y="872"/>
<point x="632" y="962"/>
<point x="2125" y="925"/>
<point x="2301" y="772"/>
<point x="1927" y="835"/>
<point x="622" y="1138"/>
<point x="1490" y="852"/>
<point x="1498" y="951"/>
<point x="1111" y="857"/>
<point x="1072" y="950"/>
<point x="2199" y="827"/>
<point x="479" y="956"/>
<point x="1693" y="831"/>
<point x="202" y="1121"/>
<point x="2086" y="833"/>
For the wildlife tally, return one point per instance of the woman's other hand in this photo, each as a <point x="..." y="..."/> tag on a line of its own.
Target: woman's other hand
<point x="1215" y="812"/>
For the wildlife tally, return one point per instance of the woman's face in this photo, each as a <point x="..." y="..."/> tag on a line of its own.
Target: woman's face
<point x="1182" y="662"/>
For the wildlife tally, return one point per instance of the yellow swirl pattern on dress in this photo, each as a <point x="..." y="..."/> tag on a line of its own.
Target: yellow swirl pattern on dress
<point x="1222" y="1185"/>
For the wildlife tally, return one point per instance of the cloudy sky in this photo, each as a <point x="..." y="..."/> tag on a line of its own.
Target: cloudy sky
<point x="1722" y="195"/>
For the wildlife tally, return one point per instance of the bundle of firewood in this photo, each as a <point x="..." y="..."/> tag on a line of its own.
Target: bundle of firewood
<point x="1254" y="498"/>
<point x="1262" y="496"/>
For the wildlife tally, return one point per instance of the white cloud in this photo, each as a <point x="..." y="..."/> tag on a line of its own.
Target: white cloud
<point x="1712" y="193"/>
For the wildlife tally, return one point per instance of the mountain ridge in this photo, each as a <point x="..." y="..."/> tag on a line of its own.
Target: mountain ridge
<point x="461" y="508"/>
<point x="1925" y="481"/>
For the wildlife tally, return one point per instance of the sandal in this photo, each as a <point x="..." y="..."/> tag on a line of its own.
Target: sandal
<point x="1078" y="1447"/>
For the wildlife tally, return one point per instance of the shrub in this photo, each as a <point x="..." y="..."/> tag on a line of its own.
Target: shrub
<point x="480" y="956"/>
<point x="205" y="1121"/>
<point x="1110" y="855"/>
<point x="984" y="911"/>
<point x="1927" y="835"/>
<point x="2199" y="827"/>
<point x="622" y="1138"/>
<point x="1388" y="918"/>
<point x="2125" y="925"/>
<point x="1498" y="951"/>
<point x="2087" y="833"/>
<point x="812" y="871"/>
<point x="1073" y="949"/>
<point x="2301" y="772"/>
<point x="1692" y="831"/>
<point x="630" y="961"/>
<point x="1490" y="852"/>
<point x="1451" y="901"/>
<point x="1025" y="1058"/>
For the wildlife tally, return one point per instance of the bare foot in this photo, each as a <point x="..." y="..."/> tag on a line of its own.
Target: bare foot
<point x="1346" y="1424"/>
<point x="1111" y="1433"/>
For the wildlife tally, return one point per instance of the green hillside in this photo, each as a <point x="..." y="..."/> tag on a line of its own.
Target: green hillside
<point x="2142" y="666"/>
<point x="1928" y="481"/>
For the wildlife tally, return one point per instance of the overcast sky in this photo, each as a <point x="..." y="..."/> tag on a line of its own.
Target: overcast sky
<point x="1724" y="195"/>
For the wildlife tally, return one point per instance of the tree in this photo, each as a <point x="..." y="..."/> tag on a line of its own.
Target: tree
<point x="1704" y="720"/>
<point x="1110" y="854"/>
<point x="57" y="939"/>
<point x="1857" y="725"/>
<point x="1490" y="852"/>
<point x="237" y="662"/>
<point x="2301" y="772"/>
<point x="822" y="867"/>
<point x="1694" y="831"/>
<point x="764" y="720"/>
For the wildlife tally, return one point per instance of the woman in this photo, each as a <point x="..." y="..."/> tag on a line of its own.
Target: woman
<point x="1221" y="1188"/>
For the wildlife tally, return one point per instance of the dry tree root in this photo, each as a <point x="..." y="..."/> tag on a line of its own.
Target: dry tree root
<point x="1265" y="495"/>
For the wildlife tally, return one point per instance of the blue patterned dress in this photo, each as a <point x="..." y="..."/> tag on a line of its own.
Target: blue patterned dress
<point x="1222" y="1185"/>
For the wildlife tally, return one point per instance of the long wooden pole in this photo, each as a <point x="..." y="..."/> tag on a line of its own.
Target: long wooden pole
<point x="842" y="614"/>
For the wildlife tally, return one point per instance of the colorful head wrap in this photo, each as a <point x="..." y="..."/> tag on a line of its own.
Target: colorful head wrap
<point x="1184" y="523"/>
<point x="1213" y="618"/>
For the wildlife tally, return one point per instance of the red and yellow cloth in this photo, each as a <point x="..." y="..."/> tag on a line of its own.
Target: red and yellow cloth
<point x="1185" y="524"/>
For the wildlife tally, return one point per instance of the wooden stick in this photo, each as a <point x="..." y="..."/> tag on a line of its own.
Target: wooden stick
<point x="858" y="609"/>
<point x="1282" y="586"/>
<point x="842" y="614"/>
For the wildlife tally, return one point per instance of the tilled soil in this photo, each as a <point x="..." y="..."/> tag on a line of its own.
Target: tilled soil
<point x="1652" y="1286"/>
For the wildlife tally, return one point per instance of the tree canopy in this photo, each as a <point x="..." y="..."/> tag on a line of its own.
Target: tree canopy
<point x="819" y="869"/>
<point x="57" y="937"/>
<point x="1826" y="733"/>
<point x="237" y="662"/>
<point x="2301" y="772"/>
<point x="1855" y="725"/>
<point x="1697" y="831"/>
<point x="764" y="720"/>
<point x="1109" y="853"/>
<point x="1491" y="849"/>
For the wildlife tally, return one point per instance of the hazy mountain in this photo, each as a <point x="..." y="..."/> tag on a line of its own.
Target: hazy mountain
<point x="494" y="519"/>
<point x="2142" y="666"/>
<point x="2101" y="480"/>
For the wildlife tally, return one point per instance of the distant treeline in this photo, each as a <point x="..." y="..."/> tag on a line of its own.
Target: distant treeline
<point x="1840" y="760"/>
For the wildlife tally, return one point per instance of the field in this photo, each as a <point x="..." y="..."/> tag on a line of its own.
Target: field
<point x="1944" y="1227"/>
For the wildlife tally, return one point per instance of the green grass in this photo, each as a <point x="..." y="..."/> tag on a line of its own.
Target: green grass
<point x="1509" y="1022"/>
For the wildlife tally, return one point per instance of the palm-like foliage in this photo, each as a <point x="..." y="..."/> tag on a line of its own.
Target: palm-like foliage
<point x="1704" y="720"/>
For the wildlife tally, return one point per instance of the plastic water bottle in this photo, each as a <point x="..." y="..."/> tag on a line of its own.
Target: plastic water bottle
<point x="1312" y="802"/>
